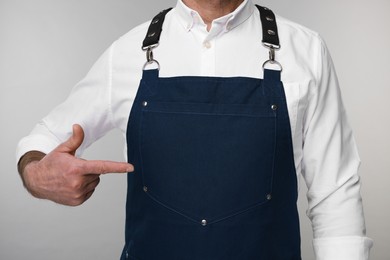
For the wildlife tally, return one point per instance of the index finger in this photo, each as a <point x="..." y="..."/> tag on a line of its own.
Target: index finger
<point x="103" y="167"/>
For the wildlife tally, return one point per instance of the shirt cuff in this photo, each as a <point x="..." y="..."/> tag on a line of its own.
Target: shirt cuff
<point x="342" y="248"/>
<point x="35" y="142"/>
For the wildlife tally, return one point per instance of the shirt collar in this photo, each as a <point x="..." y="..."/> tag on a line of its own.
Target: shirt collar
<point x="190" y="17"/>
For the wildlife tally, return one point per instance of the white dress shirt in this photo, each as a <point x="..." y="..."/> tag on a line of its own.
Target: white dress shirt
<point x="324" y="148"/>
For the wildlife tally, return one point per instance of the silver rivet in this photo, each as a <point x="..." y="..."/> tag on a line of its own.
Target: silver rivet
<point x="265" y="8"/>
<point x="145" y="189"/>
<point x="274" y="107"/>
<point x="271" y="32"/>
<point x="269" y="197"/>
<point x="151" y="34"/>
<point x="269" y="18"/>
<point x="145" y="103"/>
<point x="204" y="222"/>
<point x="155" y="21"/>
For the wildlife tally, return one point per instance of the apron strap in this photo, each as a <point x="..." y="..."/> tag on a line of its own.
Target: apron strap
<point x="153" y="37"/>
<point x="154" y="32"/>
<point x="270" y="34"/>
<point x="270" y="29"/>
<point x="268" y="21"/>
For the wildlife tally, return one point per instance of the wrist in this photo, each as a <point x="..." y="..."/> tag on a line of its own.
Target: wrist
<point x="26" y="161"/>
<point x="26" y="166"/>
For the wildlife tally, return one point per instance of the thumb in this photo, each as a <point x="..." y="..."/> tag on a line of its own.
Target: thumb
<point x="73" y="142"/>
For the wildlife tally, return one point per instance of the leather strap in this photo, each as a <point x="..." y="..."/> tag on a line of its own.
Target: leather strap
<point x="268" y="21"/>
<point x="154" y="32"/>
<point x="270" y="29"/>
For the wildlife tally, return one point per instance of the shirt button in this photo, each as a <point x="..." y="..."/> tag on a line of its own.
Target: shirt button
<point x="207" y="45"/>
<point x="195" y="19"/>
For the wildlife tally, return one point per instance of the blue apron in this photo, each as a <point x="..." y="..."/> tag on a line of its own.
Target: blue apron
<point x="214" y="171"/>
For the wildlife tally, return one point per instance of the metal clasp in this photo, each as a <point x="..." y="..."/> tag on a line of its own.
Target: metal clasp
<point x="271" y="59"/>
<point x="149" y="56"/>
<point x="272" y="53"/>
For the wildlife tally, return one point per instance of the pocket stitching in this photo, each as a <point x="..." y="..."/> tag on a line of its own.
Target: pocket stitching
<point x="156" y="198"/>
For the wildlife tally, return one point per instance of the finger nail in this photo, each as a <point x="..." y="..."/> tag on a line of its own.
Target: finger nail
<point x="130" y="169"/>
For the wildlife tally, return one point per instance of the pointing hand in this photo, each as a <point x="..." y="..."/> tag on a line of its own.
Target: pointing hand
<point x="63" y="178"/>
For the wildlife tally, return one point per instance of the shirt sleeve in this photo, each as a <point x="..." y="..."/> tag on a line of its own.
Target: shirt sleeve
<point x="89" y="104"/>
<point x="330" y="169"/>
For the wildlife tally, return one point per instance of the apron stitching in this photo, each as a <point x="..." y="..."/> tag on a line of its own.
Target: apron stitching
<point x="275" y="145"/>
<point x="249" y="208"/>
<point x="172" y="209"/>
<point x="206" y="114"/>
<point x="165" y="204"/>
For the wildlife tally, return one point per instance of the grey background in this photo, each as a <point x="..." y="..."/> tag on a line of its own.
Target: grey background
<point x="46" y="46"/>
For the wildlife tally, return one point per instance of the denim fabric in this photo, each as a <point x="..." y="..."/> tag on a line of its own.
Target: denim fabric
<point x="214" y="171"/>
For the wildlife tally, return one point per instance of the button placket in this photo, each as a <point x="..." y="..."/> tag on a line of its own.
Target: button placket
<point x="208" y="57"/>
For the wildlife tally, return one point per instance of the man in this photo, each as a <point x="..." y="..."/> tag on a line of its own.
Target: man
<point x="215" y="142"/>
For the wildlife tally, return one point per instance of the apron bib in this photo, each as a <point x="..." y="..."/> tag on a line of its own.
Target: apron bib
<point x="214" y="169"/>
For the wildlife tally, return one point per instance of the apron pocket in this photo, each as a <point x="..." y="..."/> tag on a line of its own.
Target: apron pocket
<point x="207" y="161"/>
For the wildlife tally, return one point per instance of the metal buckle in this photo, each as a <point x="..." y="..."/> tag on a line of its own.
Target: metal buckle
<point x="150" y="46"/>
<point x="271" y="59"/>
<point x="149" y="56"/>
<point x="269" y="45"/>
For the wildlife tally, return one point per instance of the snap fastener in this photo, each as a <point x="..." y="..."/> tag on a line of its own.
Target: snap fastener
<point x="269" y="197"/>
<point x="204" y="222"/>
<point x="271" y="32"/>
<point x="145" y="103"/>
<point x="155" y="21"/>
<point x="274" y="107"/>
<point x="269" y="18"/>
<point x="151" y="34"/>
<point x="145" y="189"/>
